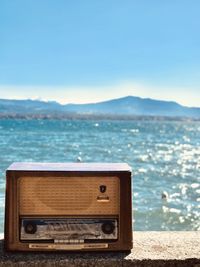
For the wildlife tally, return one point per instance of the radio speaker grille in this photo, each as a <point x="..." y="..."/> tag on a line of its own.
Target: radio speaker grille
<point x="68" y="195"/>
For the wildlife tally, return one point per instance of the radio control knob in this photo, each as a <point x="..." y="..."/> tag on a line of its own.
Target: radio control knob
<point x="108" y="227"/>
<point x="30" y="227"/>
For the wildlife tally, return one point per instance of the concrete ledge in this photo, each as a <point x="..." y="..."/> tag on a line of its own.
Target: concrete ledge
<point x="149" y="249"/>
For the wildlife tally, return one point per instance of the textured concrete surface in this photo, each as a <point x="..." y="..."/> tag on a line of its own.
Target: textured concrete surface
<point x="149" y="249"/>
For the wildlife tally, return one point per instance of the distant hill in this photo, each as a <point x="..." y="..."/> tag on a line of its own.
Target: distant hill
<point x="126" y="106"/>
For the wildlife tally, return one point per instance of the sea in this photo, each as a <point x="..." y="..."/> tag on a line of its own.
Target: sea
<point x="164" y="156"/>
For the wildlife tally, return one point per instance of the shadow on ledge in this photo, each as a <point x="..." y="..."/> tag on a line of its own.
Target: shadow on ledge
<point x="149" y="249"/>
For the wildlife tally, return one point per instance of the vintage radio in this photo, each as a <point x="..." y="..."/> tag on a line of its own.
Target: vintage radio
<point x="68" y="206"/>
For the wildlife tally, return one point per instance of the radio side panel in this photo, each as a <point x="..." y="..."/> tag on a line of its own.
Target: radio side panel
<point x="11" y="212"/>
<point x="126" y="211"/>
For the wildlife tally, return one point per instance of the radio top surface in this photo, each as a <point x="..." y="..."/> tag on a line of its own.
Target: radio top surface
<point x="38" y="166"/>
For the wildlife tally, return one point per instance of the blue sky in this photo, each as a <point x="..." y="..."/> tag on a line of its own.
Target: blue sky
<point x="86" y="51"/>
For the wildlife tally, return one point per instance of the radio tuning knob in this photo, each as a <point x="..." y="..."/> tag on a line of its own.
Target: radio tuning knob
<point x="30" y="227"/>
<point x="108" y="228"/>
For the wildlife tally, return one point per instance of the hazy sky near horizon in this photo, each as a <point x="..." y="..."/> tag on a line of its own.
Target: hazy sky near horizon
<point x="88" y="51"/>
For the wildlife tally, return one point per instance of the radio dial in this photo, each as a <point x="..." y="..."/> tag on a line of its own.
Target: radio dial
<point x="108" y="228"/>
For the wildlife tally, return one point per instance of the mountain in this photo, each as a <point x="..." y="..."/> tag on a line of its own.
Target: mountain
<point x="126" y="106"/>
<point x="132" y="105"/>
<point x="27" y="106"/>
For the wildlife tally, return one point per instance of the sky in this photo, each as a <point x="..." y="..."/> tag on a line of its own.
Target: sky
<point x="89" y="51"/>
